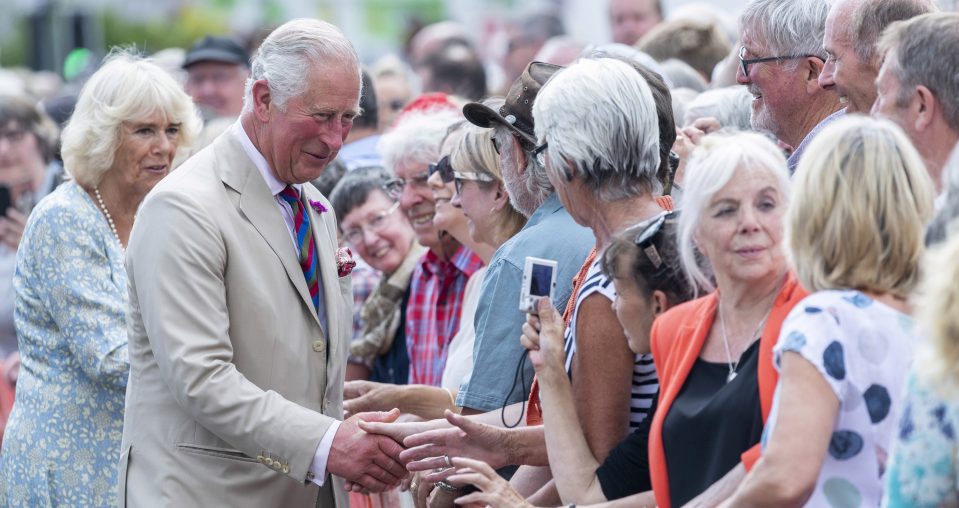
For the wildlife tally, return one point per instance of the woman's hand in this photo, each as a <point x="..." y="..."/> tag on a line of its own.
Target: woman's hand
<point x="11" y="228"/>
<point x="543" y="337"/>
<point x="427" y="451"/>
<point x="494" y="490"/>
<point x="365" y="396"/>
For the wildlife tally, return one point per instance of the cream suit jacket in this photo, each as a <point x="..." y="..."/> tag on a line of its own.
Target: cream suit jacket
<point x="232" y="381"/>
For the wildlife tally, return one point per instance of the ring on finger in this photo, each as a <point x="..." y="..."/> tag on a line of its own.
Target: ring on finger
<point x="447" y="459"/>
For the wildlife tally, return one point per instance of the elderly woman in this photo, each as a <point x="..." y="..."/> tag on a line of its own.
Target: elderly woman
<point x="372" y="226"/>
<point x="63" y="438"/>
<point x="854" y="230"/>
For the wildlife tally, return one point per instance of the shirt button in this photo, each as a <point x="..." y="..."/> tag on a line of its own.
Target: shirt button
<point x="319" y="346"/>
<point x="326" y="405"/>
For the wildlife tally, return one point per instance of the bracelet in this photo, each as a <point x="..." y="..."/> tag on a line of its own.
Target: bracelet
<point x="452" y="398"/>
<point x="447" y="487"/>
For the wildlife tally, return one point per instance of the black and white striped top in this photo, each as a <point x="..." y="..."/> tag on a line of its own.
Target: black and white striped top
<point x="645" y="382"/>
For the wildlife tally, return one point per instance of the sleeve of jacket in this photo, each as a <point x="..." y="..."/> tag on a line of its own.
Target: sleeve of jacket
<point x="179" y="282"/>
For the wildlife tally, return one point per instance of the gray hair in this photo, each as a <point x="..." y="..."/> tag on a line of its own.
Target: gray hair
<point x="730" y="106"/>
<point x="527" y="195"/>
<point x="682" y="75"/>
<point x="925" y="50"/>
<point x="288" y="55"/>
<point x="944" y="224"/>
<point x="416" y="137"/>
<point x="711" y="166"/>
<point x="873" y="16"/>
<point x="787" y="27"/>
<point x="126" y="88"/>
<point x="600" y="120"/>
<point x="354" y="189"/>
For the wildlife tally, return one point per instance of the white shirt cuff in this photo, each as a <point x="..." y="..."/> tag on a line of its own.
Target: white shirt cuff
<point x="322" y="455"/>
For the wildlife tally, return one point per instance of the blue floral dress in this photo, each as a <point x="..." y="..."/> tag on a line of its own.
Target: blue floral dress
<point x="62" y="442"/>
<point x="924" y="465"/>
<point x="863" y="349"/>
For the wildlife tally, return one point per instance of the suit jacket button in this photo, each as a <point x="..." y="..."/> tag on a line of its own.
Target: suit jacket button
<point x="259" y="458"/>
<point x="268" y="461"/>
<point x="319" y="346"/>
<point x="310" y="476"/>
<point x="286" y="469"/>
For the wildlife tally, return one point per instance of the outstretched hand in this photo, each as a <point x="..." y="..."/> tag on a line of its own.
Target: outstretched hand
<point x="369" y="461"/>
<point x="427" y="451"/>
<point x="363" y="396"/>
<point x="494" y="490"/>
<point x="543" y="337"/>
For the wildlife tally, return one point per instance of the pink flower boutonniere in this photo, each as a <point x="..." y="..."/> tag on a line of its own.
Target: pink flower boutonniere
<point x="318" y="207"/>
<point x="344" y="261"/>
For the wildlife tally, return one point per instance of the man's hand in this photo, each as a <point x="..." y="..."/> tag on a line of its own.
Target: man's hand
<point x="11" y="228"/>
<point x="427" y="451"/>
<point x="362" y="396"/>
<point x="543" y="337"/>
<point x="494" y="490"/>
<point x="369" y="461"/>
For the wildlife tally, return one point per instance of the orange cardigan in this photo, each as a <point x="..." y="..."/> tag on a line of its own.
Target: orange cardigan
<point x="677" y="340"/>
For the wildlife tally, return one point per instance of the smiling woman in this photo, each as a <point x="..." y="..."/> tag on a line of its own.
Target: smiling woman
<point x="71" y="286"/>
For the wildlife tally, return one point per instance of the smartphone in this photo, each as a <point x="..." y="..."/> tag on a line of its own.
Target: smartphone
<point x="5" y="200"/>
<point x="539" y="281"/>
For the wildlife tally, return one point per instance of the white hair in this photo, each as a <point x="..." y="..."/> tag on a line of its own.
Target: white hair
<point x="711" y="166"/>
<point x="615" y="49"/>
<point x="600" y="121"/>
<point x="731" y="106"/>
<point x="416" y="137"/>
<point x="126" y="88"/>
<point x="787" y="27"/>
<point x="288" y="55"/>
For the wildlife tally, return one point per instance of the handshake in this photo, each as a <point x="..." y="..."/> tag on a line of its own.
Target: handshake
<point x="373" y="452"/>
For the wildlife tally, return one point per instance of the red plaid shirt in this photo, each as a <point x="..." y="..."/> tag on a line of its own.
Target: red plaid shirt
<point x="433" y="312"/>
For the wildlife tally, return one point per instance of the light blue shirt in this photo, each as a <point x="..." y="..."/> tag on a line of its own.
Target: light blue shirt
<point x="550" y="233"/>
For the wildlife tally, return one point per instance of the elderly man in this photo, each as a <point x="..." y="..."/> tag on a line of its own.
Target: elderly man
<point x="629" y="20"/>
<point x="217" y="69"/>
<point x="917" y="85"/>
<point x="781" y="60"/>
<point x="439" y="280"/>
<point x="852" y="31"/>
<point x="240" y="313"/>
<point x="550" y="233"/>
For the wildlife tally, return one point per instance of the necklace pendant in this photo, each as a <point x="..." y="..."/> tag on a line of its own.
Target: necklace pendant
<point x="731" y="375"/>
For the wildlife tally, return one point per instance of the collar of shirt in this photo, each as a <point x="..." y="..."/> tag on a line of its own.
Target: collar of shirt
<point x="259" y="161"/>
<point x="549" y="207"/>
<point x="463" y="260"/>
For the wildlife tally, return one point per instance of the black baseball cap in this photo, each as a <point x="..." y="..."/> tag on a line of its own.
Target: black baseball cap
<point x="216" y="48"/>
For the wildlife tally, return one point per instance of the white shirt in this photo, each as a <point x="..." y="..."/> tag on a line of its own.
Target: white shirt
<point x="322" y="455"/>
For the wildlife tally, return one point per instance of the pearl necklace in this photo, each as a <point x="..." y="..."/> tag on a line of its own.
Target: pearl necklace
<point x="113" y="227"/>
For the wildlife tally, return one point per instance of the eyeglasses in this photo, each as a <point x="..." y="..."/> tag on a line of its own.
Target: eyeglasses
<point x="539" y="154"/>
<point x="523" y="142"/>
<point x="12" y="136"/>
<point x="746" y="62"/>
<point x="355" y="235"/>
<point x="646" y="239"/>
<point x="394" y="188"/>
<point x="460" y="176"/>
<point x="444" y="168"/>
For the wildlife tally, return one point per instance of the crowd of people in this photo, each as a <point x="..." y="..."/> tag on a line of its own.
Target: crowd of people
<point x="271" y="275"/>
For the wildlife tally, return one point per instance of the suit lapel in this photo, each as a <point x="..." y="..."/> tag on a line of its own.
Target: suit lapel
<point x="260" y="208"/>
<point x="324" y="240"/>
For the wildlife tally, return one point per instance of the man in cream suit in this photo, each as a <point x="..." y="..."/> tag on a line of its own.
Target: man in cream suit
<point x="239" y="322"/>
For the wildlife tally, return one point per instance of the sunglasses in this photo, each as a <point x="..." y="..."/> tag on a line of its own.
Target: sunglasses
<point x="646" y="239"/>
<point x="444" y="168"/>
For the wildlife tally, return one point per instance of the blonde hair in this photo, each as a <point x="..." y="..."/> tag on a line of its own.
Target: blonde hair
<point x="474" y="151"/>
<point x="862" y="200"/>
<point x="127" y="88"/>
<point x="937" y="312"/>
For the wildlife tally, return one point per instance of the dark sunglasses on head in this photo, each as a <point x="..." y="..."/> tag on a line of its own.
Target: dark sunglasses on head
<point x="444" y="168"/>
<point x="646" y="239"/>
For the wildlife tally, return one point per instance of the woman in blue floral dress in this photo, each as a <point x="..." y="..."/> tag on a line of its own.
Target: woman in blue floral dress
<point x="62" y="441"/>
